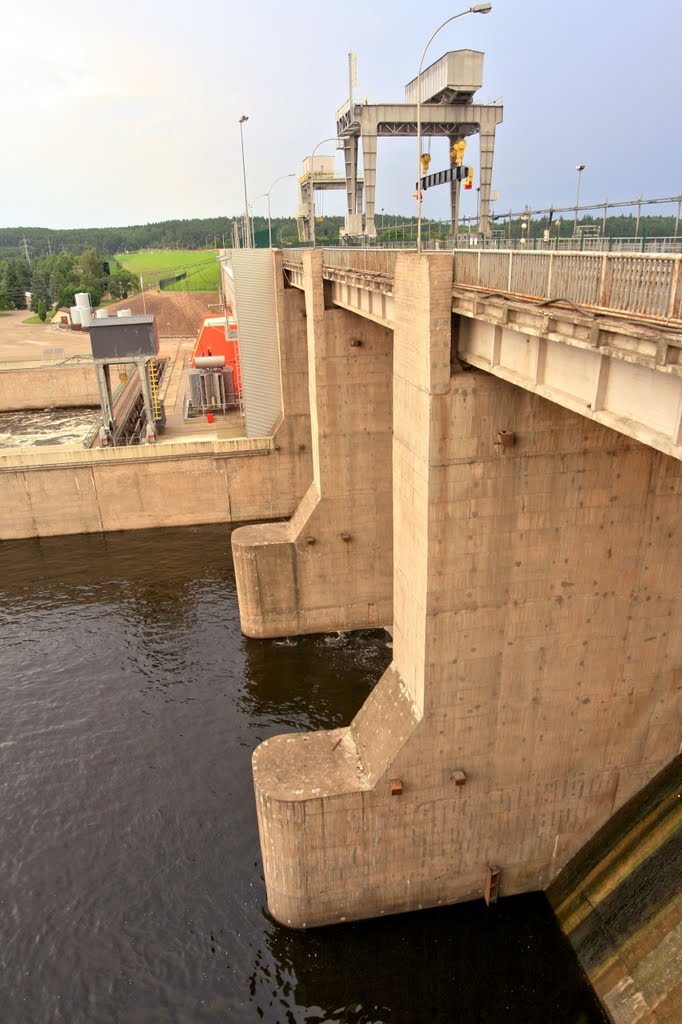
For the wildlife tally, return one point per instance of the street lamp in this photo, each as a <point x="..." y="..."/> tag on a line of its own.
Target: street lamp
<point x="267" y="194"/>
<point x="247" y="226"/>
<point x="476" y="9"/>
<point x="252" y="226"/>
<point x="312" y="186"/>
<point x="579" y="168"/>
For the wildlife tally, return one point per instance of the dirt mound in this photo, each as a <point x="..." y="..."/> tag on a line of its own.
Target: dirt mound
<point x="178" y="314"/>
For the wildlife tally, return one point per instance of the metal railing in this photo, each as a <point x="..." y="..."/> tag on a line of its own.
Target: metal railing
<point x="293" y="256"/>
<point x="584" y="243"/>
<point x="647" y="284"/>
<point x="368" y="261"/>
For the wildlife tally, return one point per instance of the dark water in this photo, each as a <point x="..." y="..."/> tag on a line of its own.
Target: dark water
<point x="130" y="877"/>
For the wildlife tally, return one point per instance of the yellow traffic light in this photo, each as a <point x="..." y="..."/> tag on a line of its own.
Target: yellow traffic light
<point x="469" y="180"/>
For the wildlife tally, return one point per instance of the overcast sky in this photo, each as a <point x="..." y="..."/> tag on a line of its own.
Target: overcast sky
<point x="114" y="114"/>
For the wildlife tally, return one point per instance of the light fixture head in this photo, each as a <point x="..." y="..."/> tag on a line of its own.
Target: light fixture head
<point x="580" y="167"/>
<point x="243" y="118"/>
<point x="481" y="8"/>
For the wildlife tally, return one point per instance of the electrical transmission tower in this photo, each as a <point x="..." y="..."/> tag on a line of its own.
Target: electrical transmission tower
<point x="25" y="249"/>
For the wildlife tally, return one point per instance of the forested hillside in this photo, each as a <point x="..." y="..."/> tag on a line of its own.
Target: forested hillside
<point x="60" y="263"/>
<point x="211" y="233"/>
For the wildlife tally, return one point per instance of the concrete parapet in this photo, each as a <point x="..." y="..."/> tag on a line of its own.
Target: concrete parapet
<point x="330" y="566"/>
<point x="48" y="387"/>
<point x="535" y="681"/>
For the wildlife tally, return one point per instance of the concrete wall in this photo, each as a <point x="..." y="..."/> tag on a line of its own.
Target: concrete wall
<point x="536" y="592"/>
<point x="48" y="387"/>
<point x="128" y="489"/>
<point x="330" y="566"/>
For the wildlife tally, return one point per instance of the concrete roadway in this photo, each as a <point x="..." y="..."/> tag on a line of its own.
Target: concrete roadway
<point x="20" y="342"/>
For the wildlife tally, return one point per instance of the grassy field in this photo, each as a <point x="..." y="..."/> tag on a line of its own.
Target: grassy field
<point x="201" y="266"/>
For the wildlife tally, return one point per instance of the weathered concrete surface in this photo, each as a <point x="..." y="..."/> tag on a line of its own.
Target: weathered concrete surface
<point x="536" y="593"/>
<point x="48" y="387"/>
<point x="47" y="493"/>
<point x="329" y="567"/>
<point x="619" y="901"/>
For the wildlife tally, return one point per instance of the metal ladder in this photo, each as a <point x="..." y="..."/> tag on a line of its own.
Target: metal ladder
<point x="154" y="388"/>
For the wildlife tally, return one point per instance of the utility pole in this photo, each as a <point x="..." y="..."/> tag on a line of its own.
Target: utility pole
<point x="579" y="168"/>
<point x="247" y="239"/>
<point x="639" y="217"/>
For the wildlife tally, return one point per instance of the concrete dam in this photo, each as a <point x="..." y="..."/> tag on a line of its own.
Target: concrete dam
<point x="481" y="452"/>
<point x="496" y="475"/>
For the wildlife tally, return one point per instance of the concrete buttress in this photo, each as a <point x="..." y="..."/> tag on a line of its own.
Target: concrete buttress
<point x="330" y="566"/>
<point x="535" y="685"/>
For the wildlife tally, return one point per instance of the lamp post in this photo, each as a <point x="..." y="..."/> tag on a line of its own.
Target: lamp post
<point x="252" y="226"/>
<point x="476" y="9"/>
<point x="266" y="195"/>
<point x="247" y="226"/>
<point x="579" y="168"/>
<point x="312" y="186"/>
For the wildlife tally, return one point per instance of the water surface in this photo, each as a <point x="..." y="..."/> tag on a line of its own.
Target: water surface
<point x="38" y="427"/>
<point x="130" y="877"/>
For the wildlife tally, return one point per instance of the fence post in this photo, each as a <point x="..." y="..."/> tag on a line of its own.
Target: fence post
<point x="509" y="271"/>
<point x="549" y="275"/>
<point x="601" y="301"/>
<point x="675" y="304"/>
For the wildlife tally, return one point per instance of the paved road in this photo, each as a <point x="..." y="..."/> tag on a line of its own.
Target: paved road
<point x="20" y="341"/>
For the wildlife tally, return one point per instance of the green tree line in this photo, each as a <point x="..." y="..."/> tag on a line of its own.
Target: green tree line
<point x="213" y="232"/>
<point x="207" y="233"/>
<point x="54" y="280"/>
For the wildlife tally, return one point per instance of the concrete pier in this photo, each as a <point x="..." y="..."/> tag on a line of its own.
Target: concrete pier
<point x="330" y="566"/>
<point x="535" y="681"/>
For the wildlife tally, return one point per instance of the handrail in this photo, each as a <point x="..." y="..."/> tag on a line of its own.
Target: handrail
<point x="649" y="284"/>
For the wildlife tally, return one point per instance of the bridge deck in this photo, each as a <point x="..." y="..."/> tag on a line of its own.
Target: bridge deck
<point x="598" y="333"/>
